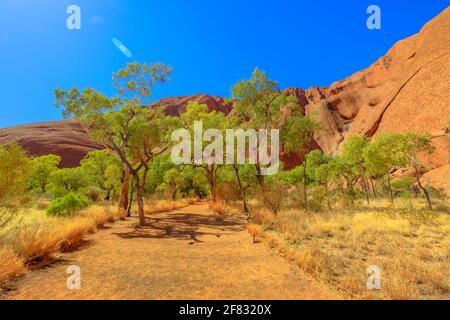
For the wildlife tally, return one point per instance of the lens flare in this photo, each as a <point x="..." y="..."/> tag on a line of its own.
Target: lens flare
<point x="125" y="51"/>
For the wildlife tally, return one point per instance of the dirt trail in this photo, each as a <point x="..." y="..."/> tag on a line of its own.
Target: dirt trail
<point x="184" y="254"/>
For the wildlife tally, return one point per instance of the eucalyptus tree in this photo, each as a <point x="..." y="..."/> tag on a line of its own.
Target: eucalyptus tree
<point x="381" y="156"/>
<point x="126" y="125"/>
<point x="101" y="167"/>
<point x="42" y="168"/>
<point x="298" y="139"/>
<point x="413" y="145"/>
<point x="353" y="155"/>
<point x="206" y="130"/>
<point x="260" y="105"/>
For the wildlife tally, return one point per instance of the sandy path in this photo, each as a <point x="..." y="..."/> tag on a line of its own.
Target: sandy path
<point x="185" y="254"/>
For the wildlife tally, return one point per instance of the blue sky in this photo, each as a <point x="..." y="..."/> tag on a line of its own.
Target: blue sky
<point x="210" y="44"/>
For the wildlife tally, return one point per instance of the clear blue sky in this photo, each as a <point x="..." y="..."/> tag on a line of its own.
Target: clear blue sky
<point x="210" y="43"/>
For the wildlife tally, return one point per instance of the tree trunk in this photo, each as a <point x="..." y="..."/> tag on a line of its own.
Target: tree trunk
<point x="242" y="189"/>
<point x="328" y="197"/>
<point x="373" y="188"/>
<point x="140" y="202"/>
<point x="123" y="201"/>
<point x="391" y="196"/>
<point x="211" y="173"/>
<point x="261" y="181"/>
<point x="108" y="195"/>
<point x="366" y="189"/>
<point x="425" y="191"/>
<point x="130" y="202"/>
<point x="305" y="186"/>
<point x="174" y="195"/>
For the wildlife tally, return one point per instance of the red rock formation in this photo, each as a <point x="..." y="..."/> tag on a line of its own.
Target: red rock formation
<point x="64" y="138"/>
<point x="176" y="105"/>
<point x="407" y="89"/>
<point x="68" y="140"/>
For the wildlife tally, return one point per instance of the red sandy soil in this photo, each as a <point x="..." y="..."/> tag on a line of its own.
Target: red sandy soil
<point x="185" y="254"/>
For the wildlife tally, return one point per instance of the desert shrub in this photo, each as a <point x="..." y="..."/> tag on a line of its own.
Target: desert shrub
<point x="67" y="205"/>
<point x="218" y="208"/>
<point x="14" y="172"/>
<point x="320" y="198"/>
<point x="94" y="194"/>
<point x="264" y="217"/>
<point x="11" y="264"/>
<point x="153" y="207"/>
<point x="347" y="199"/>
<point x="255" y="230"/>
<point x="6" y="216"/>
<point x="274" y="196"/>
<point x="228" y="191"/>
<point x="414" y="215"/>
<point x="403" y="184"/>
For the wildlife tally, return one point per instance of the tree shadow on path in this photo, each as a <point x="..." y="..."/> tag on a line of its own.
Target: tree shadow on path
<point x="183" y="226"/>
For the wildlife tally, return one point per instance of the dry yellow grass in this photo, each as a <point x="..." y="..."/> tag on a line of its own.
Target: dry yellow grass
<point x="73" y="231"/>
<point x="255" y="230"/>
<point x="218" y="208"/>
<point x="338" y="247"/>
<point x="33" y="238"/>
<point x="166" y="206"/>
<point x="11" y="264"/>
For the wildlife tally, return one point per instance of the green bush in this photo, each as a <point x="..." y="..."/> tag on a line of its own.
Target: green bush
<point x="67" y="205"/>
<point x="94" y="194"/>
<point x="403" y="184"/>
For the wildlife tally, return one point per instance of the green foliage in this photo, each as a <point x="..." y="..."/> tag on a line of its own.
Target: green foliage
<point x="67" y="206"/>
<point x="298" y="134"/>
<point x="411" y="145"/>
<point x="136" y="80"/>
<point x="103" y="171"/>
<point x="315" y="160"/>
<point x="14" y="172"/>
<point x="258" y="102"/>
<point x="157" y="169"/>
<point x="403" y="184"/>
<point x="94" y="193"/>
<point x="417" y="216"/>
<point x="294" y="176"/>
<point x="382" y="154"/>
<point x="67" y="180"/>
<point x="42" y="168"/>
<point x="354" y="152"/>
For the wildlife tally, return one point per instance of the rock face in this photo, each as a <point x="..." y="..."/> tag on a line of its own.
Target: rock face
<point x="68" y="140"/>
<point x="64" y="138"/>
<point x="407" y="89"/>
<point x="174" y="106"/>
